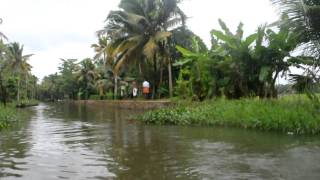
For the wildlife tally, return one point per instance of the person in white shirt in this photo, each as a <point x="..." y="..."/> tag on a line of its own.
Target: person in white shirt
<point x="134" y="89"/>
<point x="146" y="89"/>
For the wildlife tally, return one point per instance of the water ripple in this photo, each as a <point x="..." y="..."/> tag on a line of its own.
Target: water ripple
<point x="65" y="141"/>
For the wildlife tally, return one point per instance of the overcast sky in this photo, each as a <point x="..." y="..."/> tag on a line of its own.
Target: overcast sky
<point x="54" y="29"/>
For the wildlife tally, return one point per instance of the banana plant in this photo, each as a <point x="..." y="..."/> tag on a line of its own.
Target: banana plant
<point x="196" y="62"/>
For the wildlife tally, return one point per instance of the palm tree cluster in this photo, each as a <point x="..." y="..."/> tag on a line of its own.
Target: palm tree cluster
<point x="16" y="80"/>
<point x="148" y="40"/>
<point x="137" y="43"/>
<point x="140" y="35"/>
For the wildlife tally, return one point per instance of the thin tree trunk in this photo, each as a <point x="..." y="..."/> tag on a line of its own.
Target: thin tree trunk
<point x="140" y="69"/>
<point x="160" y="81"/>
<point x="3" y="92"/>
<point x="115" y="87"/>
<point x="34" y="91"/>
<point x="18" y="90"/>
<point x="27" y="85"/>
<point x="170" y="79"/>
<point x="154" y="89"/>
<point x="273" y="92"/>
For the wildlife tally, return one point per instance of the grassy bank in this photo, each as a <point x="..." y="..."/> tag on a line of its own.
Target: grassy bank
<point x="294" y="114"/>
<point x="7" y="116"/>
<point x="26" y="103"/>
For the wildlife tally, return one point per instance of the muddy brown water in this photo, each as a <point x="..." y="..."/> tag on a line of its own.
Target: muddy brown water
<point x="69" y="141"/>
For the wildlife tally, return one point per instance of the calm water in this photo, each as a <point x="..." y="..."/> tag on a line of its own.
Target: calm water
<point x="65" y="141"/>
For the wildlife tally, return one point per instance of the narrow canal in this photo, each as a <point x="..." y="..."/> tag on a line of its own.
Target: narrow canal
<point x="68" y="141"/>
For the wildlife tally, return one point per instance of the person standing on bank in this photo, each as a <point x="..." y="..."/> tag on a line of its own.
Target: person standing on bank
<point x="134" y="89"/>
<point x="146" y="89"/>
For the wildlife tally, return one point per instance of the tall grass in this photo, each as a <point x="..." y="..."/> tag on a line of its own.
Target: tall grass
<point x="294" y="114"/>
<point x="7" y="116"/>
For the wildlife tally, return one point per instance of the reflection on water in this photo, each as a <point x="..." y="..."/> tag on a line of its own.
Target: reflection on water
<point x="69" y="141"/>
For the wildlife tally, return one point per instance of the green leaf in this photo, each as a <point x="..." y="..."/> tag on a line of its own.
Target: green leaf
<point x="250" y="39"/>
<point x="301" y="60"/>
<point x="186" y="52"/>
<point x="240" y="31"/>
<point x="225" y="28"/>
<point x="220" y="35"/>
<point x="183" y="62"/>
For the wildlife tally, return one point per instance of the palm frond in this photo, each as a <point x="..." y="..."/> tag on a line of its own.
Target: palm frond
<point x="150" y="48"/>
<point x="304" y="19"/>
<point x="1" y="34"/>
<point x="130" y="43"/>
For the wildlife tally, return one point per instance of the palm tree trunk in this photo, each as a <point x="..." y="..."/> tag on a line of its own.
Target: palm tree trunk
<point x="33" y="92"/>
<point x="104" y="58"/>
<point x="115" y="87"/>
<point x="170" y="78"/>
<point x="3" y="92"/>
<point x="273" y="91"/>
<point x="140" y="69"/>
<point x="18" y="90"/>
<point x="26" y="86"/>
<point x="160" y="81"/>
<point x="154" y="84"/>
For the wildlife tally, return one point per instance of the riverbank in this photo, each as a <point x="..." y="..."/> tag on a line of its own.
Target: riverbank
<point x="8" y="113"/>
<point x="7" y="116"/>
<point x="128" y="104"/>
<point x="26" y="103"/>
<point x="293" y="115"/>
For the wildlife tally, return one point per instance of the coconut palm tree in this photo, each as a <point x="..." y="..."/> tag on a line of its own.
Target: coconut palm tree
<point x="87" y="76"/>
<point x="304" y="19"/>
<point x="3" y="90"/>
<point x="33" y="86"/>
<point x="2" y="36"/>
<point x="102" y="48"/>
<point x="18" y="63"/>
<point x="140" y="30"/>
<point x="101" y="86"/>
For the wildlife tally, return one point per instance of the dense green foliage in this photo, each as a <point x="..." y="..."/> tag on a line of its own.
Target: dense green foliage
<point x="240" y="67"/>
<point x="7" y="115"/>
<point x="293" y="114"/>
<point x="148" y="40"/>
<point x="17" y="84"/>
<point x="137" y="43"/>
<point x="16" y="81"/>
<point x="75" y="80"/>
